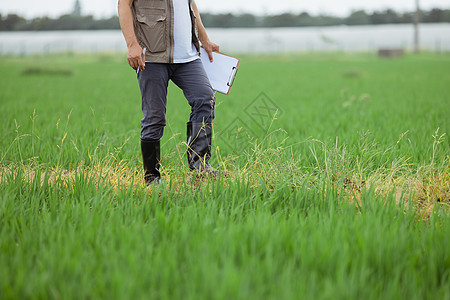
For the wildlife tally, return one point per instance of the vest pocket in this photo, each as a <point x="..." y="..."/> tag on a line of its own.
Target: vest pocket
<point x="153" y="28"/>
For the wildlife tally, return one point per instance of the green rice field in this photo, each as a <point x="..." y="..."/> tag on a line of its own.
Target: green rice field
<point x="337" y="185"/>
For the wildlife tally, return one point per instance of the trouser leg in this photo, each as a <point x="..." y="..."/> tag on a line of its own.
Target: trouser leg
<point x="191" y="78"/>
<point x="153" y="82"/>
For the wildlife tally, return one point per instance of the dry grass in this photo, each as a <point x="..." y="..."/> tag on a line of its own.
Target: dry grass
<point x="424" y="189"/>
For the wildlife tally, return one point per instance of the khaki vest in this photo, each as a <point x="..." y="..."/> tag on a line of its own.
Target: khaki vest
<point x="153" y="26"/>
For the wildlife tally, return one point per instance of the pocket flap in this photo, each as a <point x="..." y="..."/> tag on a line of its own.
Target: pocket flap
<point x="149" y="19"/>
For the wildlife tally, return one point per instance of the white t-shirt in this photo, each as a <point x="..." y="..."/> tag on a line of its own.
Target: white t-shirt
<point x="184" y="49"/>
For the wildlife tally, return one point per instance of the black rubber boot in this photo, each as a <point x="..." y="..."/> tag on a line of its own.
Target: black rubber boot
<point x="151" y="157"/>
<point x="199" y="137"/>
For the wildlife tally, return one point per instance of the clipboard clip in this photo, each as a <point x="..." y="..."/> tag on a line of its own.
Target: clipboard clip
<point x="232" y="76"/>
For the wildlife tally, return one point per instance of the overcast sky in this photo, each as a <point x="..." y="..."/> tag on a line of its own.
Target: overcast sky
<point x="106" y="8"/>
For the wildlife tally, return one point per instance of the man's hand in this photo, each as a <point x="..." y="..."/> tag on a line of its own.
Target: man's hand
<point x="135" y="57"/>
<point x="210" y="47"/>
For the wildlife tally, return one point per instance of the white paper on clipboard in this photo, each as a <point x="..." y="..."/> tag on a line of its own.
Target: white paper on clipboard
<point x="221" y="71"/>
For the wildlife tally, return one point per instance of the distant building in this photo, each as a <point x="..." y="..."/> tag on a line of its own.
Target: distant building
<point x="77" y="8"/>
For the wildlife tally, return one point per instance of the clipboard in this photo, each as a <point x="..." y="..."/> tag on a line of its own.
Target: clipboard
<point x="221" y="72"/>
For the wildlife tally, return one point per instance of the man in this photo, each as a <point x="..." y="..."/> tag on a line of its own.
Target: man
<point x="163" y="38"/>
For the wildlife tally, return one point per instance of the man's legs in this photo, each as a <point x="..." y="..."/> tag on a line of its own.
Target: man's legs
<point x="192" y="79"/>
<point x="153" y="82"/>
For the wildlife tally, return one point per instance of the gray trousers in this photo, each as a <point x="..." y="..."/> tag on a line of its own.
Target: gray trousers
<point x="190" y="77"/>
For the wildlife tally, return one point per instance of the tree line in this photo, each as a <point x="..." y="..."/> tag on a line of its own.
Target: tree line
<point x="14" y="22"/>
